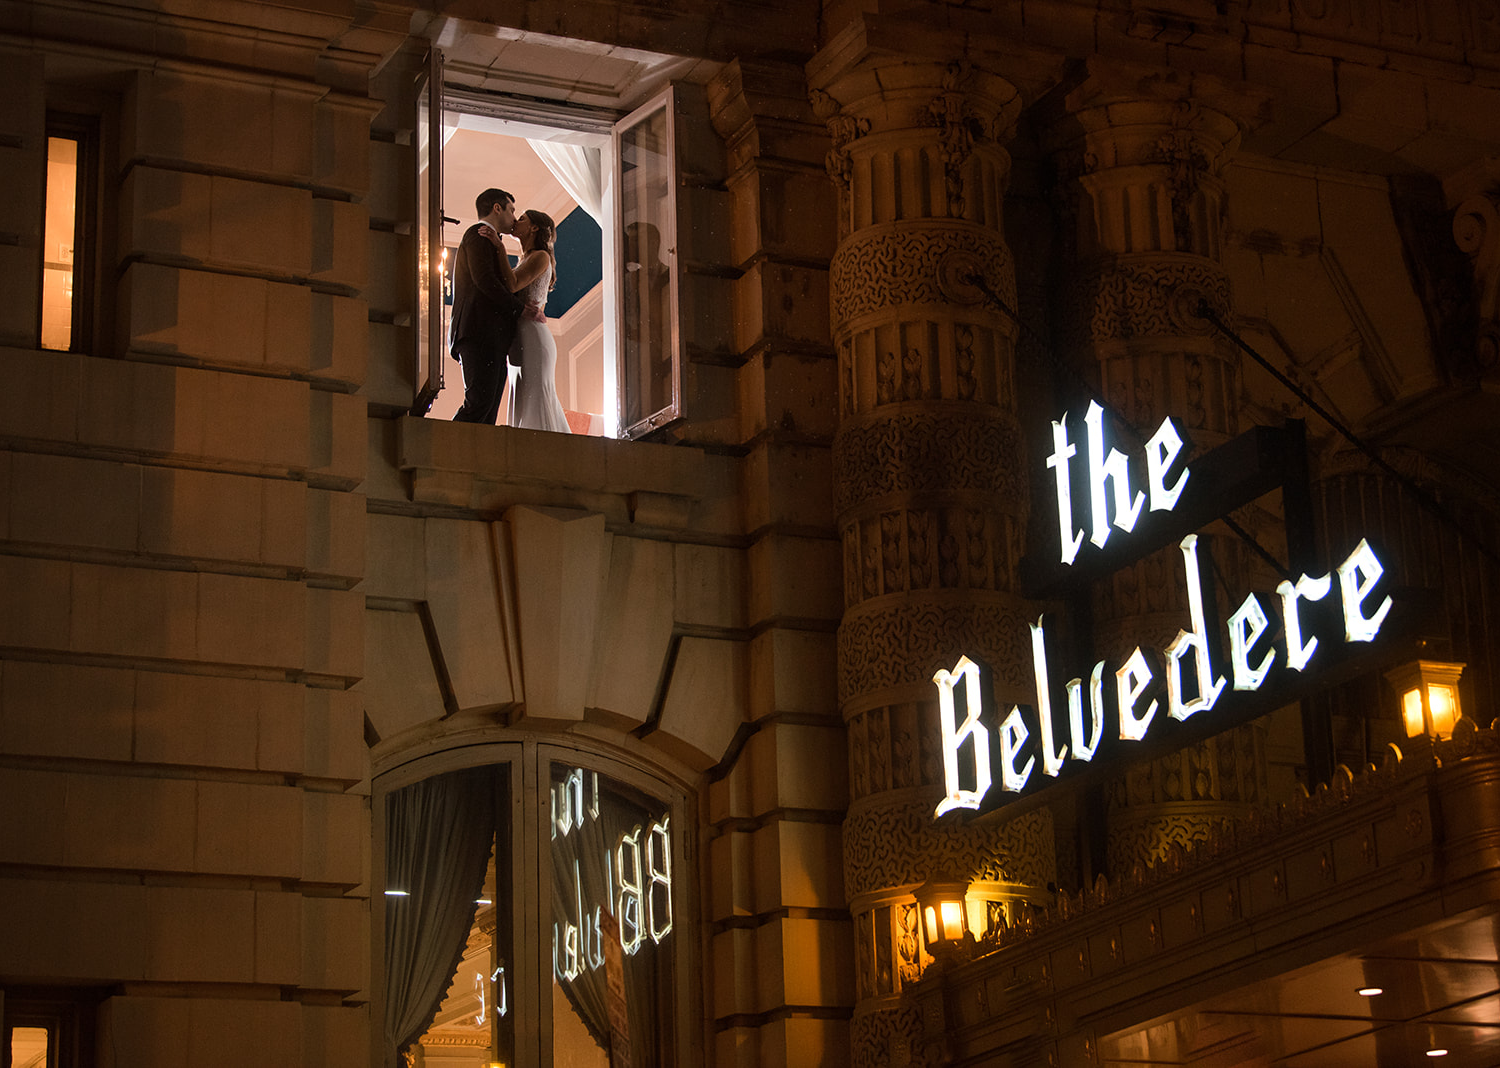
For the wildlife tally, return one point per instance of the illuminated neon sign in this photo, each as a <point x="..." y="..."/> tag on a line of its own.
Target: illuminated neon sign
<point x="1188" y="676"/>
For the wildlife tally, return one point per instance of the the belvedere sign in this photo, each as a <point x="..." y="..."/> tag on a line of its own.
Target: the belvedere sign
<point x="1190" y="677"/>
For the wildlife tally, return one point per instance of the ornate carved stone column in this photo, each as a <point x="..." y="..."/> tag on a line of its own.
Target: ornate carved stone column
<point x="1140" y="156"/>
<point x="931" y="488"/>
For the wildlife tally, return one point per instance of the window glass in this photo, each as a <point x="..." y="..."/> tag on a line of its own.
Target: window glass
<point x="568" y="955"/>
<point x="612" y="921"/>
<point x="28" y="1047"/>
<point x="58" y="236"/>
<point x="649" y="351"/>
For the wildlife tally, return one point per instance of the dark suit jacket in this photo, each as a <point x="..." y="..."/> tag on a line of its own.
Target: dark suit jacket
<point x="484" y="310"/>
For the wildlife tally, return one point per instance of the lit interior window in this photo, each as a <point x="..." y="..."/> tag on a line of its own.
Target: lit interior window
<point x="28" y="1047"/>
<point x="57" y="243"/>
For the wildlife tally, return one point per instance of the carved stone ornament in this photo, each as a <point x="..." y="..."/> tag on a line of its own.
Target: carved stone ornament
<point x="956" y="270"/>
<point x="944" y="450"/>
<point x="842" y="129"/>
<point x="949" y="548"/>
<point x="889" y="844"/>
<point x="1154" y="297"/>
<point x="901" y="265"/>
<point x="1146" y="841"/>
<point x="908" y="944"/>
<point x="1187" y="163"/>
<point x="949" y="112"/>
<point x="884" y="1039"/>
<point x="894" y="747"/>
<point x="903" y="645"/>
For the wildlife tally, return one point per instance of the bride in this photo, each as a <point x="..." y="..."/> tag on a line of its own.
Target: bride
<point x="533" y="394"/>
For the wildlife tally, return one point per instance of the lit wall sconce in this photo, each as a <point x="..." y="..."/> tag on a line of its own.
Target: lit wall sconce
<point x="1429" y="696"/>
<point x="945" y="916"/>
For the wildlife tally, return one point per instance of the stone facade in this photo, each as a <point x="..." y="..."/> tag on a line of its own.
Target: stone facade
<point x="245" y="581"/>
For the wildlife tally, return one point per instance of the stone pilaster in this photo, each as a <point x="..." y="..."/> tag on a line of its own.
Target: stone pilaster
<point x="774" y="888"/>
<point x="930" y="487"/>
<point x="1140" y="157"/>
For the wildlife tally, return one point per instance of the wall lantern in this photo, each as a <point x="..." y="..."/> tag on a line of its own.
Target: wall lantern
<point x="945" y="916"/>
<point x="1429" y="696"/>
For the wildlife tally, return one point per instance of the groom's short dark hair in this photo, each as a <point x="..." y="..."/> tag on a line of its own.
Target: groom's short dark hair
<point x="486" y="202"/>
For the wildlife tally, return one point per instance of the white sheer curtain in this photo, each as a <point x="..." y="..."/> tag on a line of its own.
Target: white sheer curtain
<point x="579" y="169"/>
<point x="438" y="837"/>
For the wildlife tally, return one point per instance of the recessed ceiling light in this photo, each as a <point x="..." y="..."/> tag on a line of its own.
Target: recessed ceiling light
<point x="1370" y="991"/>
<point x="1437" y="1053"/>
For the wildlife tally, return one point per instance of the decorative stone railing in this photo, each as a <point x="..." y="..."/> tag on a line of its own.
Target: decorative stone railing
<point x="1392" y="848"/>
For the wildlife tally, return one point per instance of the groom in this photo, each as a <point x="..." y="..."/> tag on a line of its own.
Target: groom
<point x="484" y="310"/>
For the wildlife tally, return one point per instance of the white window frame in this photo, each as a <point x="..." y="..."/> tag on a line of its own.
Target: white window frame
<point x="429" y="323"/>
<point x="651" y="418"/>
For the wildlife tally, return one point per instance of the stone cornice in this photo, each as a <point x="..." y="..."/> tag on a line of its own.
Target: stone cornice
<point x="333" y="43"/>
<point x="1424" y="96"/>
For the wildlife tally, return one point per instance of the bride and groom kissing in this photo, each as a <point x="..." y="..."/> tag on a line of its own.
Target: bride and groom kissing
<point x="498" y="330"/>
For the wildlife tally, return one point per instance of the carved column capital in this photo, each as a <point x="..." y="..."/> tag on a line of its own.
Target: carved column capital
<point x="1139" y="115"/>
<point x="895" y="90"/>
<point x="1155" y="140"/>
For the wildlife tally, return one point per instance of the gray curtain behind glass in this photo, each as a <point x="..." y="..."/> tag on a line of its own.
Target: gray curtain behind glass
<point x="438" y="837"/>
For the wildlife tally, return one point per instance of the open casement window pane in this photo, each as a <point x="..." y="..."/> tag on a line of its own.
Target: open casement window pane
<point x="650" y="342"/>
<point x="614" y="941"/>
<point x="431" y="326"/>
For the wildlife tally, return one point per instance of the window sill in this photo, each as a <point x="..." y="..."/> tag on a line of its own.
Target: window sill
<point x="488" y="469"/>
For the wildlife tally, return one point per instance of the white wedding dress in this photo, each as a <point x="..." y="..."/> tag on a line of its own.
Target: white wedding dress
<point x="534" y="404"/>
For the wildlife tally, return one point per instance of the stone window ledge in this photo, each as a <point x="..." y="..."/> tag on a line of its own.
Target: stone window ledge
<point x="488" y="469"/>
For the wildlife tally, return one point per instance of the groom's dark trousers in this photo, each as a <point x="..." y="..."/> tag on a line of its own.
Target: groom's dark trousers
<point x="483" y="326"/>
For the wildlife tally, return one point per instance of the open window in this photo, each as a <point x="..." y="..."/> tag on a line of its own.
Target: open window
<point x="610" y="185"/>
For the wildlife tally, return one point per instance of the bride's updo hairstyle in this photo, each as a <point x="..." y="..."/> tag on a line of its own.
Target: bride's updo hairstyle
<point x="544" y="236"/>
